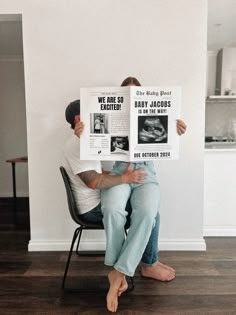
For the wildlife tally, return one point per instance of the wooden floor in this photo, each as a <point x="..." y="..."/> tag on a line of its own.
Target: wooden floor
<point x="30" y="283"/>
<point x="21" y="217"/>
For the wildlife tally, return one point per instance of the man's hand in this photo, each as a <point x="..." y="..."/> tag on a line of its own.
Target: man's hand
<point x="180" y="127"/>
<point x="136" y="176"/>
<point x="79" y="127"/>
<point x="95" y="180"/>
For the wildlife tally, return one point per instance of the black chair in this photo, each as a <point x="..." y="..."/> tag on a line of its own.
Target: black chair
<point x="82" y="226"/>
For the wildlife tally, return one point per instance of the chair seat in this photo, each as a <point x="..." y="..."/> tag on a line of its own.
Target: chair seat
<point x="99" y="226"/>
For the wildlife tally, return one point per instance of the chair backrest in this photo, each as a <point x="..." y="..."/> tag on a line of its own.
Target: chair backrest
<point x="73" y="207"/>
<point x="72" y="203"/>
<point x="70" y="196"/>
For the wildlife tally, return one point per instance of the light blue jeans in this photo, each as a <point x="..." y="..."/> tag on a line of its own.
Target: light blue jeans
<point x="150" y="255"/>
<point x="124" y="254"/>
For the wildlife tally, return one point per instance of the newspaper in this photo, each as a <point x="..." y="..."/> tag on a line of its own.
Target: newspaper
<point x="130" y="123"/>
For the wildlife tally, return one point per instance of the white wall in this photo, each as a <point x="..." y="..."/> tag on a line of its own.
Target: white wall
<point x="71" y="44"/>
<point x="12" y="125"/>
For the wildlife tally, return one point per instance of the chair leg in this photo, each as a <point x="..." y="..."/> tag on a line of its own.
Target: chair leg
<point x="131" y="288"/>
<point x="77" y="247"/>
<point x="77" y="232"/>
<point x="131" y="278"/>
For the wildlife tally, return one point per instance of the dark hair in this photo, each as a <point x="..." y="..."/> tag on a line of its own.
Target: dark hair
<point x="130" y="80"/>
<point x="71" y="111"/>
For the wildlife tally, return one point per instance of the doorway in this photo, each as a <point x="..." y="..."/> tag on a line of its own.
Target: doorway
<point x="14" y="212"/>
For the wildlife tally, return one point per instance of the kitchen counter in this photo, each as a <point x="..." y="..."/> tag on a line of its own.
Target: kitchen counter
<point x="219" y="146"/>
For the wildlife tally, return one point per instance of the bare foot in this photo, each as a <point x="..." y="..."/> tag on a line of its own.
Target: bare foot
<point x="123" y="287"/>
<point x="115" y="279"/>
<point x="158" y="272"/>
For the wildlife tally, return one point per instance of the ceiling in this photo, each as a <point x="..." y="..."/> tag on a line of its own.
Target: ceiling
<point x="221" y="28"/>
<point x="221" y="24"/>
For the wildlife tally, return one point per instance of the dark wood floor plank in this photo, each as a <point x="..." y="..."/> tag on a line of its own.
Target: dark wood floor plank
<point x="192" y="285"/>
<point x="13" y="268"/>
<point x="30" y="283"/>
<point x="7" y="213"/>
<point x="226" y="254"/>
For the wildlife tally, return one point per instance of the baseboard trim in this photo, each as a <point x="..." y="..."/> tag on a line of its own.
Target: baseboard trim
<point x="219" y="230"/>
<point x="64" y="245"/>
<point x="18" y="193"/>
<point x="164" y="244"/>
<point x="198" y="244"/>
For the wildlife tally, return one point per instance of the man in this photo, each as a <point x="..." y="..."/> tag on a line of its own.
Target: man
<point x="97" y="125"/>
<point x="76" y="170"/>
<point x="87" y="179"/>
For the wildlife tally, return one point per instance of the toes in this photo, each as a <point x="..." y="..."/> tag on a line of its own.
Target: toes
<point x="166" y="267"/>
<point x="112" y="305"/>
<point x="116" y="284"/>
<point x="172" y="276"/>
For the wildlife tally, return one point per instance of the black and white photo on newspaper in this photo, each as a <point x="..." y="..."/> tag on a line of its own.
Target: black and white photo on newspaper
<point x="130" y="123"/>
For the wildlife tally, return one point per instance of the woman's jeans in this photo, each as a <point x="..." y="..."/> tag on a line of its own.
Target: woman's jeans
<point x="124" y="254"/>
<point x="150" y="255"/>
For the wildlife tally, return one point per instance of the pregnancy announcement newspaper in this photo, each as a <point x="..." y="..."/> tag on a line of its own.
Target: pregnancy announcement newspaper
<point x="129" y="123"/>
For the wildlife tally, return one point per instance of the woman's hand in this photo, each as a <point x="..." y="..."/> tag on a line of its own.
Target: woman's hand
<point x="180" y="127"/>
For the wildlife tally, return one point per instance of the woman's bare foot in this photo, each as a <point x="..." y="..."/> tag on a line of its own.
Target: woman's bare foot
<point x="116" y="279"/>
<point x="123" y="287"/>
<point x="158" y="272"/>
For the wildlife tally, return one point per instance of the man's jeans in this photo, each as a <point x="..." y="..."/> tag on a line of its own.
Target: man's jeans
<point x="124" y="254"/>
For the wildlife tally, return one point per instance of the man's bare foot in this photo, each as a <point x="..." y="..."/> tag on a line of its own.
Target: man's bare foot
<point x="123" y="287"/>
<point x="166" y="266"/>
<point x="158" y="272"/>
<point x="115" y="279"/>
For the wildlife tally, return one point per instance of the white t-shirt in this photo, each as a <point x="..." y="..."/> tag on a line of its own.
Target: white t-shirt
<point x="86" y="198"/>
<point x="97" y="124"/>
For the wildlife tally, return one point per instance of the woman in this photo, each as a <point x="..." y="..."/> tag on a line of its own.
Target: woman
<point x="124" y="254"/>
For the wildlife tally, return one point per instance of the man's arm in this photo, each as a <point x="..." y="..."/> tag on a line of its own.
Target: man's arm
<point x="95" y="180"/>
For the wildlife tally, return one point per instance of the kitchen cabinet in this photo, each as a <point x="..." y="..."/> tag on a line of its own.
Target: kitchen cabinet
<point x="220" y="192"/>
<point x="226" y="71"/>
